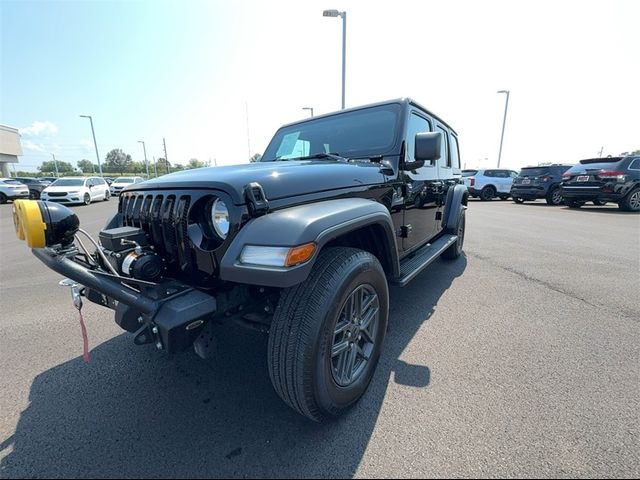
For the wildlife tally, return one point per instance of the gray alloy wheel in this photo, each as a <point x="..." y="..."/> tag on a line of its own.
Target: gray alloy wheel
<point x="554" y="197"/>
<point x="87" y="199"/>
<point x="631" y="203"/>
<point x="487" y="193"/>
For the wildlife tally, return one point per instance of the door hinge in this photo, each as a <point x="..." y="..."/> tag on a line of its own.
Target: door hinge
<point x="404" y="231"/>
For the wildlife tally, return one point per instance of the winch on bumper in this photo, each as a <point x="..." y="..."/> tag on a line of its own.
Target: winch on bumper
<point x="168" y="313"/>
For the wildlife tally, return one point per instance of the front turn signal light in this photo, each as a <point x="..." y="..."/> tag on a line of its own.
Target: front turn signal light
<point x="301" y="254"/>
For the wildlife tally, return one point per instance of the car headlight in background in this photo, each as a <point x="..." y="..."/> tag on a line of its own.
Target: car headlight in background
<point x="220" y="218"/>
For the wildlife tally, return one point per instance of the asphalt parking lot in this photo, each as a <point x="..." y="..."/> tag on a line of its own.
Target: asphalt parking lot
<point x="520" y="359"/>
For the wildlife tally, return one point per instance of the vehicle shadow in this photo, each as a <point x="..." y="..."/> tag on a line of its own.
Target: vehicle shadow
<point x="134" y="412"/>
<point x="611" y="209"/>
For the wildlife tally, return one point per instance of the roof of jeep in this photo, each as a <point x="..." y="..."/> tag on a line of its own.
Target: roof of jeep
<point x="404" y="100"/>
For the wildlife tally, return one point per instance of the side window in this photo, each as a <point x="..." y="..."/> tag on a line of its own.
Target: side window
<point x="489" y="173"/>
<point x="635" y="165"/>
<point x="514" y="174"/>
<point x="416" y="125"/>
<point x="455" y="155"/>
<point x="444" y="161"/>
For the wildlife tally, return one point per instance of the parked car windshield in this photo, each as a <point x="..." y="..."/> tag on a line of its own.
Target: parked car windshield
<point x="123" y="180"/>
<point x="533" y="171"/>
<point x="468" y="173"/>
<point x="12" y="182"/>
<point x="590" y="165"/>
<point x="68" y="182"/>
<point x="370" y="131"/>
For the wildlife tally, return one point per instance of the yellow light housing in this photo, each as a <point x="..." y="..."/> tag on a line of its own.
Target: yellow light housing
<point x="44" y="224"/>
<point x="300" y="254"/>
<point x="29" y="224"/>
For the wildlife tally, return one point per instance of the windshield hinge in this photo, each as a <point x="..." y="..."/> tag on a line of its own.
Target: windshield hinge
<point x="257" y="202"/>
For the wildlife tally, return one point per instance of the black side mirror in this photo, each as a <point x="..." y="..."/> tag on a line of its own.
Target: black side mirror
<point x="428" y="145"/>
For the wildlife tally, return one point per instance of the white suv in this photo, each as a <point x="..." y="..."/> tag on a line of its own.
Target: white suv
<point x="11" y="189"/>
<point x="76" y="190"/>
<point x="487" y="184"/>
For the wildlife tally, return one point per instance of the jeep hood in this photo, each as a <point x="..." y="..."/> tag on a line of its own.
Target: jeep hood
<point x="278" y="179"/>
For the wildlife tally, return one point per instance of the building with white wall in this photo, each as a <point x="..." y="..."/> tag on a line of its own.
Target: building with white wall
<point x="10" y="148"/>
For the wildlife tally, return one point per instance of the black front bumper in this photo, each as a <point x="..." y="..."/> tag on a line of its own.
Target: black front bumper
<point x="170" y="314"/>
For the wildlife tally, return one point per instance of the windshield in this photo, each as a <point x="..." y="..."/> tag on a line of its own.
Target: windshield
<point x="533" y="172"/>
<point x="68" y="182"/>
<point x="367" y="132"/>
<point x="12" y="182"/>
<point x="603" y="165"/>
<point x="469" y="173"/>
<point x="123" y="180"/>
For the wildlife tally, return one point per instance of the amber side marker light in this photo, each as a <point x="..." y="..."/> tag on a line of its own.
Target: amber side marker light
<point x="300" y="254"/>
<point x="44" y="224"/>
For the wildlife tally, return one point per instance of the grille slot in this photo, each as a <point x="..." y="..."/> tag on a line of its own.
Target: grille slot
<point x="164" y="220"/>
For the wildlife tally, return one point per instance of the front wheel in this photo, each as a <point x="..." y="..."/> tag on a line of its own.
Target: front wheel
<point x="34" y="194"/>
<point x="573" y="203"/>
<point x="107" y="195"/>
<point x="518" y="200"/>
<point x="327" y="333"/>
<point x="87" y="199"/>
<point x="3" y="198"/>
<point x="554" y="197"/>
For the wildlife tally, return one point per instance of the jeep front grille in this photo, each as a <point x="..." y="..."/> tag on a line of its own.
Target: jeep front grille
<point x="164" y="218"/>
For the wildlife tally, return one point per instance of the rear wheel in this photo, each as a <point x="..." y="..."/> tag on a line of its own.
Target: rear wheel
<point x="34" y="194"/>
<point x="455" y="250"/>
<point x="327" y="334"/>
<point x="573" y="203"/>
<point x="518" y="199"/>
<point x="487" y="193"/>
<point x="107" y="195"/>
<point x="504" y="197"/>
<point x="599" y="203"/>
<point x="554" y="197"/>
<point x="630" y="203"/>
<point x="3" y="198"/>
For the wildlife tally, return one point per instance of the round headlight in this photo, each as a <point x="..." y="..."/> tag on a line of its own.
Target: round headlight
<point x="220" y="218"/>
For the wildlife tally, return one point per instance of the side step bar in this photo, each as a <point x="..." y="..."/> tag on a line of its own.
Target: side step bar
<point x="421" y="259"/>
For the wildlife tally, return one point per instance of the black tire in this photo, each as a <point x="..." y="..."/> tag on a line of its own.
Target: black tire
<point x="630" y="203"/>
<point x="34" y="194"/>
<point x="599" y="203"/>
<point x="303" y="334"/>
<point x="518" y="199"/>
<point x="573" y="203"/>
<point x="107" y="196"/>
<point x="554" y="197"/>
<point x="487" y="193"/>
<point x="87" y="199"/>
<point x="455" y="250"/>
<point x="504" y="197"/>
<point x="3" y="198"/>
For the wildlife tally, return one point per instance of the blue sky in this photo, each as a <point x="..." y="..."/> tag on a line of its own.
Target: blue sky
<point x="189" y="71"/>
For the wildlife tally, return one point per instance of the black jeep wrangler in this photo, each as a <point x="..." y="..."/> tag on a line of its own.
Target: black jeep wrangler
<point x="302" y="245"/>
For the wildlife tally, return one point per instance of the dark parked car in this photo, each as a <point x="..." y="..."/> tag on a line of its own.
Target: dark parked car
<point x="301" y="246"/>
<point x="600" y="180"/>
<point x="36" y="185"/>
<point x="539" y="182"/>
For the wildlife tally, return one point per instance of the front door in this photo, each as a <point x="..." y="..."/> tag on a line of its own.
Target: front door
<point x="421" y="189"/>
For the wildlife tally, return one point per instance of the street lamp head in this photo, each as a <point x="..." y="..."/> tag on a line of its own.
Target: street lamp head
<point x="503" y="91"/>
<point x="85" y="116"/>
<point x="331" y="13"/>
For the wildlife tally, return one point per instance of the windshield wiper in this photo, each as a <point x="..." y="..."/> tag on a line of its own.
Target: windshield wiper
<point x="319" y="156"/>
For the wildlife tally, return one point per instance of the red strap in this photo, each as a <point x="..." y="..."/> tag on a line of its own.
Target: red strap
<point x="85" y="340"/>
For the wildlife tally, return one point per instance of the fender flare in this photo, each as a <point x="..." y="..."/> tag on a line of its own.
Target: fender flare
<point x="318" y="222"/>
<point x="456" y="201"/>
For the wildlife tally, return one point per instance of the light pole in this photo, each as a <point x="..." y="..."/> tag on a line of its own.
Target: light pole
<point x="504" y="121"/>
<point x="308" y="108"/>
<point x="55" y="163"/>
<point x="146" y="162"/>
<point x="95" y="144"/>
<point x="343" y="15"/>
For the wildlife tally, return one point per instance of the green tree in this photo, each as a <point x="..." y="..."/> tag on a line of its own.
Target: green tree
<point x="118" y="161"/>
<point x="163" y="166"/>
<point x="195" y="163"/>
<point x="86" y="166"/>
<point x="50" y="167"/>
<point x="256" y="158"/>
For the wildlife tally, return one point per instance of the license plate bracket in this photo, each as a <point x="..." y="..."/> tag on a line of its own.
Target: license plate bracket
<point x="582" y="178"/>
